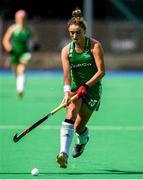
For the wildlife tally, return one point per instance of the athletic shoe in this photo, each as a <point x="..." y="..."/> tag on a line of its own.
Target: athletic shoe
<point x="78" y="149"/>
<point x="62" y="159"/>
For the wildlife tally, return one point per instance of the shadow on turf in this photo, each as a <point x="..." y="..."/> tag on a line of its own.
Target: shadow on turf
<point x="84" y="173"/>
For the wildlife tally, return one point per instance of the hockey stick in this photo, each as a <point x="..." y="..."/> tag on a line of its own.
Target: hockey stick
<point x="17" y="137"/>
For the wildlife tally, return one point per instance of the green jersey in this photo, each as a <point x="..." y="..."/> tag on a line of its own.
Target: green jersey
<point x="83" y="68"/>
<point x="20" y="40"/>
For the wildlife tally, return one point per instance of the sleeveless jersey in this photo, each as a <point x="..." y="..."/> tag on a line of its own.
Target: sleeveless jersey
<point x="20" y="40"/>
<point x="83" y="66"/>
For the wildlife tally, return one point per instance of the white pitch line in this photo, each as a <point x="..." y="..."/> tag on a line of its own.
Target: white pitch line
<point x="98" y="127"/>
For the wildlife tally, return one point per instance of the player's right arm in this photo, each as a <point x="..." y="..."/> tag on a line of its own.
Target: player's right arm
<point x="66" y="71"/>
<point x="6" y="39"/>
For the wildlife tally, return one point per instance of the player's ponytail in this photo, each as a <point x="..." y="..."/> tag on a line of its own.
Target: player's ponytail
<point x="77" y="19"/>
<point x="77" y="13"/>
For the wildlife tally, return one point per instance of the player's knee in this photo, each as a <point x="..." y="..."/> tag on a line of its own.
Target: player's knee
<point x="78" y="128"/>
<point x="71" y="113"/>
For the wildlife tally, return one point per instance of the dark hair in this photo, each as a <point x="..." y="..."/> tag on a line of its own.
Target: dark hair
<point x="77" y="19"/>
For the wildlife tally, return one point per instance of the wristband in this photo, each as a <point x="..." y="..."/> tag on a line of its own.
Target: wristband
<point x="67" y="88"/>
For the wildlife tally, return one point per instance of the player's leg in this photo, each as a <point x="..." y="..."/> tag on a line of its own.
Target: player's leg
<point x="66" y="135"/>
<point x="81" y="130"/>
<point x="15" y="68"/>
<point x="21" y="68"/>
<point x="20" y="79"/>
<point x="89" y="105"/>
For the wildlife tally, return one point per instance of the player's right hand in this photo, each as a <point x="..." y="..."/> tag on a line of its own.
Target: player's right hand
<point x="66" y="98"/>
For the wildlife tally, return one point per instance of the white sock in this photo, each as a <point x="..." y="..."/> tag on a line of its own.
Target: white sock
<point x="82" y="138"/>
<point x="67" y="131"/>
<point x="20" y="80"/>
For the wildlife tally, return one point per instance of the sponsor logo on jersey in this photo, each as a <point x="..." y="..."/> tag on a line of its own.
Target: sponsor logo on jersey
<point x="80" y="65"/>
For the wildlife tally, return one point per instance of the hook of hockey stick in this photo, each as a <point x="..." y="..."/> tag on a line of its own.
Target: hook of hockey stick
<point x="15" y="138"/>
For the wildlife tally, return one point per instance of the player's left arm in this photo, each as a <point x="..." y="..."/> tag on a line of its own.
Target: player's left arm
<point x="97" y="51"/>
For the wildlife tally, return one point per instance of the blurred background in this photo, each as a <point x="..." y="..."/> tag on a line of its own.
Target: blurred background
<point x="117" y="24"/>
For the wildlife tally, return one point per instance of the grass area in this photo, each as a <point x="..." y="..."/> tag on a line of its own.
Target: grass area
<point x="116" y="131"/>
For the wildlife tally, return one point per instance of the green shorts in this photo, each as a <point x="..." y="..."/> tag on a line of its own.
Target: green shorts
<point x="91" y="102"/>
<point x="92" y="99"/>
<point x="17" y="58"/>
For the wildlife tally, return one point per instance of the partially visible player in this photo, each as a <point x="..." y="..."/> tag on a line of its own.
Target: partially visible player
<point x="16" y="42"/>
<point x="83" y="67"/>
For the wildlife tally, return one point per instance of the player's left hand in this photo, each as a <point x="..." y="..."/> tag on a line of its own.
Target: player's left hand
<point x="82" y="91"/>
